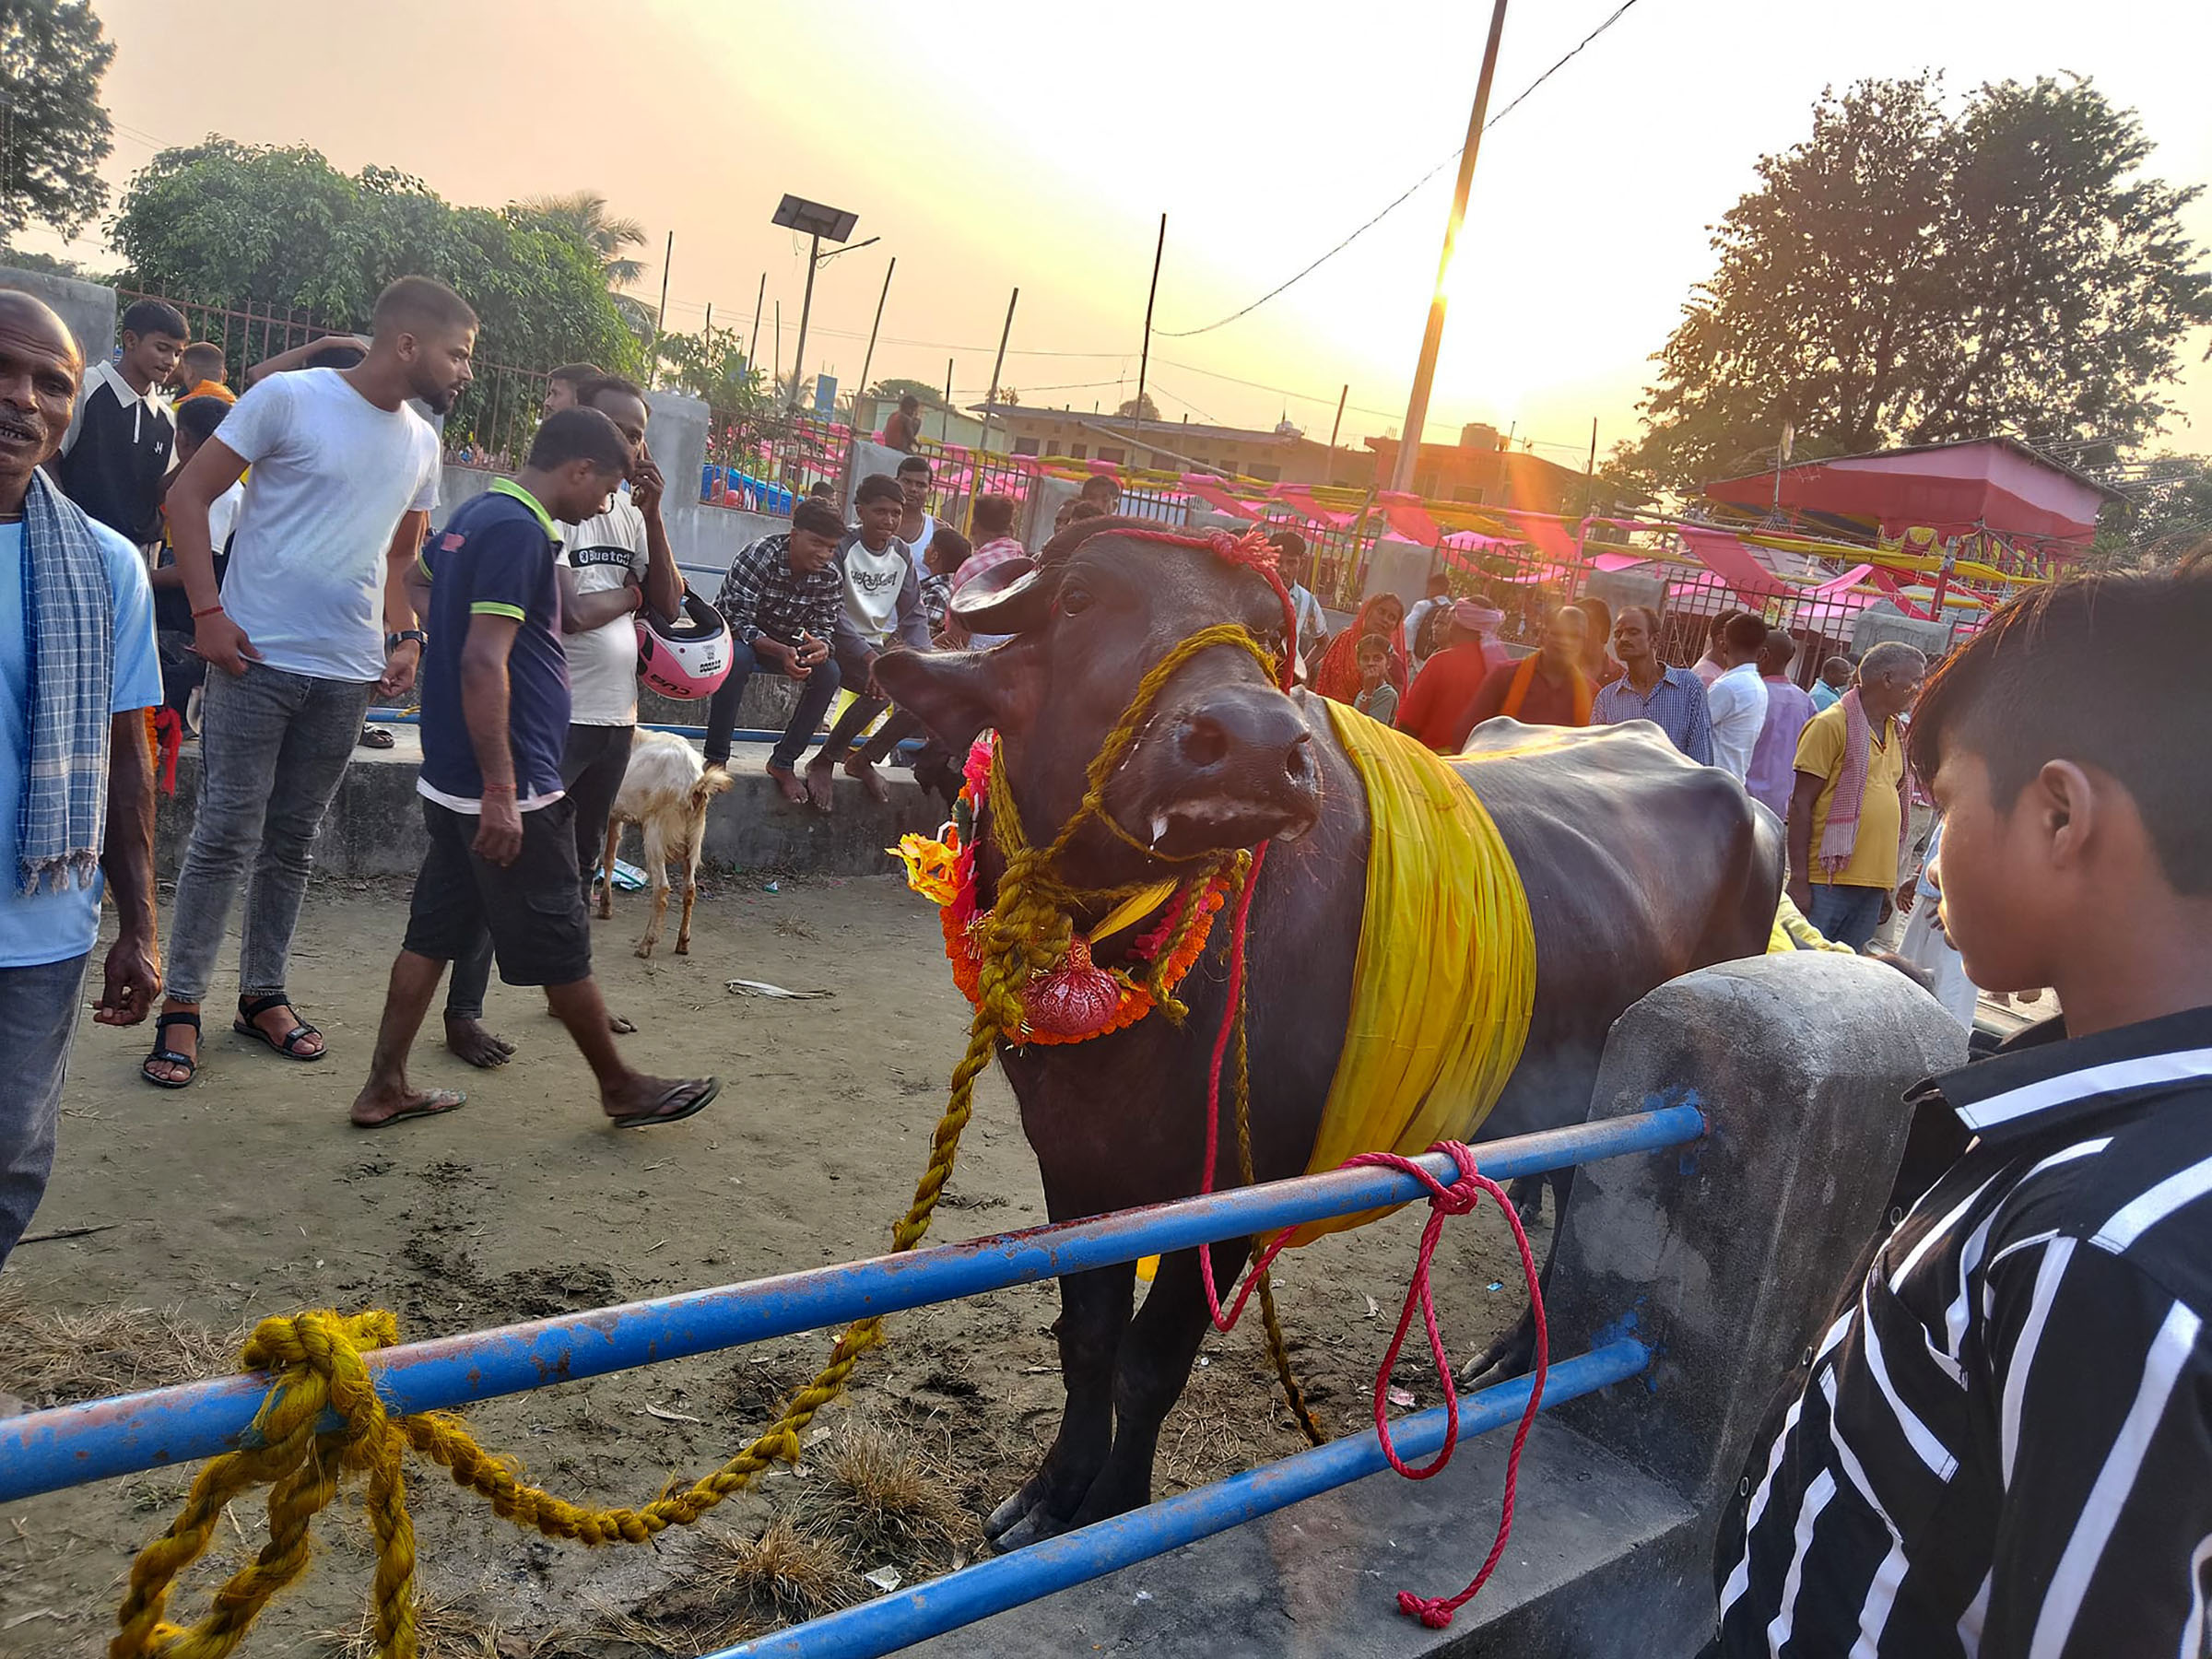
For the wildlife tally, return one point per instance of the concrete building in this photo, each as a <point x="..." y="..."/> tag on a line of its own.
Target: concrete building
<point x="1480" y="472"/>
<point x="1281" y="455"/>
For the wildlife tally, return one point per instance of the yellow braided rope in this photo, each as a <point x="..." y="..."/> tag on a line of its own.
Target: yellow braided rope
<point x="317" y="1355"/>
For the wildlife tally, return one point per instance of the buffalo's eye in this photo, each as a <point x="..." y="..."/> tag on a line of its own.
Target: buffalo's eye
<point x="1074" y="601"/>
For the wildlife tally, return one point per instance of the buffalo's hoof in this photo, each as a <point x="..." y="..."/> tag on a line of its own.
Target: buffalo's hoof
<point x="1034" y="1527"/>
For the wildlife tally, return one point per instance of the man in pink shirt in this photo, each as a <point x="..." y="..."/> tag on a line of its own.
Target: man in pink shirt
<point x="1773" y="760"/>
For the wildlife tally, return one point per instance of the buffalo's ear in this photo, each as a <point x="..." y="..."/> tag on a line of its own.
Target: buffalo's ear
<point x="958" y="693"/>
<point x="1018" y="601"/>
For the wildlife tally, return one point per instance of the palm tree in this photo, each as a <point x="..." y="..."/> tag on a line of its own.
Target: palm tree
<point x="584" y="213"/>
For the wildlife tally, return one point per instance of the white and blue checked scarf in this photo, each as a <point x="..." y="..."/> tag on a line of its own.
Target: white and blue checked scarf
<point x="69" y="643"/>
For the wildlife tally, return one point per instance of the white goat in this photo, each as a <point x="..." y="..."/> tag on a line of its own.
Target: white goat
<point x="664" y="792"/>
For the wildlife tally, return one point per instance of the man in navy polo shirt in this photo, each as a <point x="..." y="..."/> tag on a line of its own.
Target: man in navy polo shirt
<point x="495" y="718"/>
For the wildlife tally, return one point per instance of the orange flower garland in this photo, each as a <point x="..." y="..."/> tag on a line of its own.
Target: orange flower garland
<point x="943" y="870"/>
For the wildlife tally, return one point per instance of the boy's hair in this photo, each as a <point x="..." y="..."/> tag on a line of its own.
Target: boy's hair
<point x="200" y="415"/>
<point x="1371" y="645"/>
<point x="1837" y="662"/>
<point x="1100" y="487"/>
<point x="577" y="375"/>
<point x="951" y="548"/>
<point x="914" y="464"/>
<point x="1289" y="545"/>
<point x="336" y="357"/>
<point x="1440" y="583"/>
<point x="1651" y="620"/>
<point x="877" y="486"/>
<point x="816" y="517"/>
<point x="580" y="435"/>
<point x="412" y="304"/>
<point x="821" y="490"/>
<point x="2092" y="669"/>
<point x="1719" y="625"/>
<point x="1081" y="508"/>
<point x="155" y="317"/>
<point x="908" y="402"/>
<point x="600" y="385"/>
<point x="203" y="359"/>
<point x="993" y="515"/>
<point x="1744" y="631"/>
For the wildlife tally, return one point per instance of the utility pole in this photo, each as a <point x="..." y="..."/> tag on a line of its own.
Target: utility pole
<point x="814" y="257"/>
<point x="1424" y="374"/>
<point x="860" y="390"/>
<point x="1000" y="362"/>
<point x="945" y="414"/>
<point x="778" y="368"/>
<point x="660" y="318"/>
<point x="1144" y="361"/>
<point x="1337" y="425"/>
<point x="752" y="341"/>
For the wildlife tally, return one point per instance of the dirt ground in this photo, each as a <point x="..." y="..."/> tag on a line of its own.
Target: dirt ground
<point x="250" y="1195"/>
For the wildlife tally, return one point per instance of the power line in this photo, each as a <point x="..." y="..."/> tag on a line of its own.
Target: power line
<point x="1184" y="334"/>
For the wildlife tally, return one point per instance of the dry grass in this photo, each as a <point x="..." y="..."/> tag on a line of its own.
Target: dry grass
<point x="789" y="1573"/>
<point x="50" y="1359"/>
<point x="890" y="1499"/>
<point x="448" y="1630"/>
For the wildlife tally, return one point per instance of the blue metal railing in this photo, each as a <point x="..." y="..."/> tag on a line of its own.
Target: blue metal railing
<point x="71" y="1444"/>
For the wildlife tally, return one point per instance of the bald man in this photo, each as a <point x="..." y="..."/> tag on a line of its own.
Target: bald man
<point x="78" y="669"/>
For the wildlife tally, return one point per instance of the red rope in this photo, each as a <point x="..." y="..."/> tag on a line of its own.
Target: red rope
<point x="1458" y="1199"/>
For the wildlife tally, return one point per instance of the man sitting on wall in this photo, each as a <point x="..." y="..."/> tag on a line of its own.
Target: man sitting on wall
<point x="781" y="599"/>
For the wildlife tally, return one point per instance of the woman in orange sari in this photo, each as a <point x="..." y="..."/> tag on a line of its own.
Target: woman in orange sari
<point x="1338" y="676"/>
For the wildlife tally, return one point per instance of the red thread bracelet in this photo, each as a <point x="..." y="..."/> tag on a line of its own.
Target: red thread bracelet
<point x="209" y="611"/>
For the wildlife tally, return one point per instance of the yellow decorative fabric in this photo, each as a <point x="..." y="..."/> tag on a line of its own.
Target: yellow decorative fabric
<point x="1446" y="972"/>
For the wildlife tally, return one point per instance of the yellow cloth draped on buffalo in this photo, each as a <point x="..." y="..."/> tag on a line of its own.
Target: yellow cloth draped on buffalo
<point x="1446" y="973"/>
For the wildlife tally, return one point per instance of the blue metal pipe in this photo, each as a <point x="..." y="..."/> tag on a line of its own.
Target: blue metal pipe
<point x="906" y="1617"/>
<point x="71" y="1444"/>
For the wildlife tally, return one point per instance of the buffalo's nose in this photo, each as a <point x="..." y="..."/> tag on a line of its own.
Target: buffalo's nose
<point x="1246" y="738"/>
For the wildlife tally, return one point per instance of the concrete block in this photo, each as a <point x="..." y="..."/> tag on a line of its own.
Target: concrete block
<point x="868" y="459"/>
<point x="1882" y="621"/>
<point x="1044" y="500"/>
<point x="88" y="308"/>
<point x="1618" y="588"/>
<point x="1401" y="568"/>
<point x="1730" y="1254"/>
<point x="676" y="433"/>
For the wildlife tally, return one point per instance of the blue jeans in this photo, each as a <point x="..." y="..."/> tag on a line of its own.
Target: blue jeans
<point x="38" y="1024"/>
<point x="815" y="694"/>
<point x="274" y="749"/>
<point x="1846" y="916"/>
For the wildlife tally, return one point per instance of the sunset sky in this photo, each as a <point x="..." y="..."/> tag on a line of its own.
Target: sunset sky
<point x="993" y="144"/>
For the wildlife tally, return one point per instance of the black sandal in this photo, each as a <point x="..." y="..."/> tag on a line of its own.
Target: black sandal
<point x="289" y="1046"/>
<point x="170" y="1056"/>
<point x="375" y="737"/>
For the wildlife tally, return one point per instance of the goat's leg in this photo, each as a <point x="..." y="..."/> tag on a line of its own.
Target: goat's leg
<point x="656" y="861"/>
<point x="607" y="867"/>
<point x="1094" y="1313"/>
<point x="683" y="928"/>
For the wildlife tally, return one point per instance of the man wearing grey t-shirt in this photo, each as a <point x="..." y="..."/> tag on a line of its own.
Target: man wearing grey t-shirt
<point x="312" y="620"/>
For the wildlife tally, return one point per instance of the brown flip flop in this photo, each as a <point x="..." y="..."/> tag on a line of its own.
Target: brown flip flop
<point x="686" y="1099"/>
<point x="436" y="1103"/>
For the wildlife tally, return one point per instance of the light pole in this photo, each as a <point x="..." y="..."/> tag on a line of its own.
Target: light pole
<point x="795" y="213"/>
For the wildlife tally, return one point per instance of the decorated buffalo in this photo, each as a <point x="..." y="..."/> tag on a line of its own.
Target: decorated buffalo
<point x="1142" y="745"/>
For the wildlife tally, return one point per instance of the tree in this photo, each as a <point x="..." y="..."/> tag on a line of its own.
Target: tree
<point x="892" y="391"/>
<point x="714" y="371"/>
<point x="53" y="133"/>
<point x="2167" y="513"/>
<point x="1909" y="275"/>
<point x="583" y="214"/>
<point x="1140" y="409"/>
<point x="225" y="224"/>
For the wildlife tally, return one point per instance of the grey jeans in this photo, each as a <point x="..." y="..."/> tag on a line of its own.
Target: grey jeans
<point x="273" y="749"/>
<point x="38" y="1024"/>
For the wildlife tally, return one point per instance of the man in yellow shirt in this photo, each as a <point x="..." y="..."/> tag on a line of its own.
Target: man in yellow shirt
<point x="1847" y="811"/>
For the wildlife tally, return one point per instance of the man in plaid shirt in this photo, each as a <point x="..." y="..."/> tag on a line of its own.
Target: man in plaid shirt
<point x="781" y="599"/>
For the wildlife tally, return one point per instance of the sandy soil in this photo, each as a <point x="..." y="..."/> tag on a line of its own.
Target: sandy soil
<point x="250" y="1195"/>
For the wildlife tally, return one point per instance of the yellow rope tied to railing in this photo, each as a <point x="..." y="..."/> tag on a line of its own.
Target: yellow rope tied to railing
<point x="317" y="1356"/>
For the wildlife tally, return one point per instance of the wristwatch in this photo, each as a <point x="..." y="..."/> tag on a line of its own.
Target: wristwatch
<point x="393" y="640"/>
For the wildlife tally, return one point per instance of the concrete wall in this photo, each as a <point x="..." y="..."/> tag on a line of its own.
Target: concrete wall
<point x="1401" y="568"/>
<point x="1882" y="621"/>
<point x="87" y="307"/>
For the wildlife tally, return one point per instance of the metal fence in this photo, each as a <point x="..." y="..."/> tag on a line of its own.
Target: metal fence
<point x="491" y="425"/>
<point x="249" y="334"/>
<point x="764" y="461"/>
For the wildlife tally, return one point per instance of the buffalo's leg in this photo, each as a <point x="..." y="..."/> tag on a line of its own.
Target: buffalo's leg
<point x="1515" y="1350"/>
<point x="1094" y="1315"/>
<point x="1154" y="1368"/>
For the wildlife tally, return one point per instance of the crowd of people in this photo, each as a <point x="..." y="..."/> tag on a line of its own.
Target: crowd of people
<point x="2001" y="1443"/>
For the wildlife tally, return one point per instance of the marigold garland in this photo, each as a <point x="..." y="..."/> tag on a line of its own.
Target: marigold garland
<point x="943" y="871"/>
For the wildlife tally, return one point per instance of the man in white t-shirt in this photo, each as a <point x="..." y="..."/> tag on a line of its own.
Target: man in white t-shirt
<point x="1737" y="697"/>
<point x="312" y="620"/>
<point x="610" y="568"/>
<point x="917" y="529"/>
<point x="883" y="608"/>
